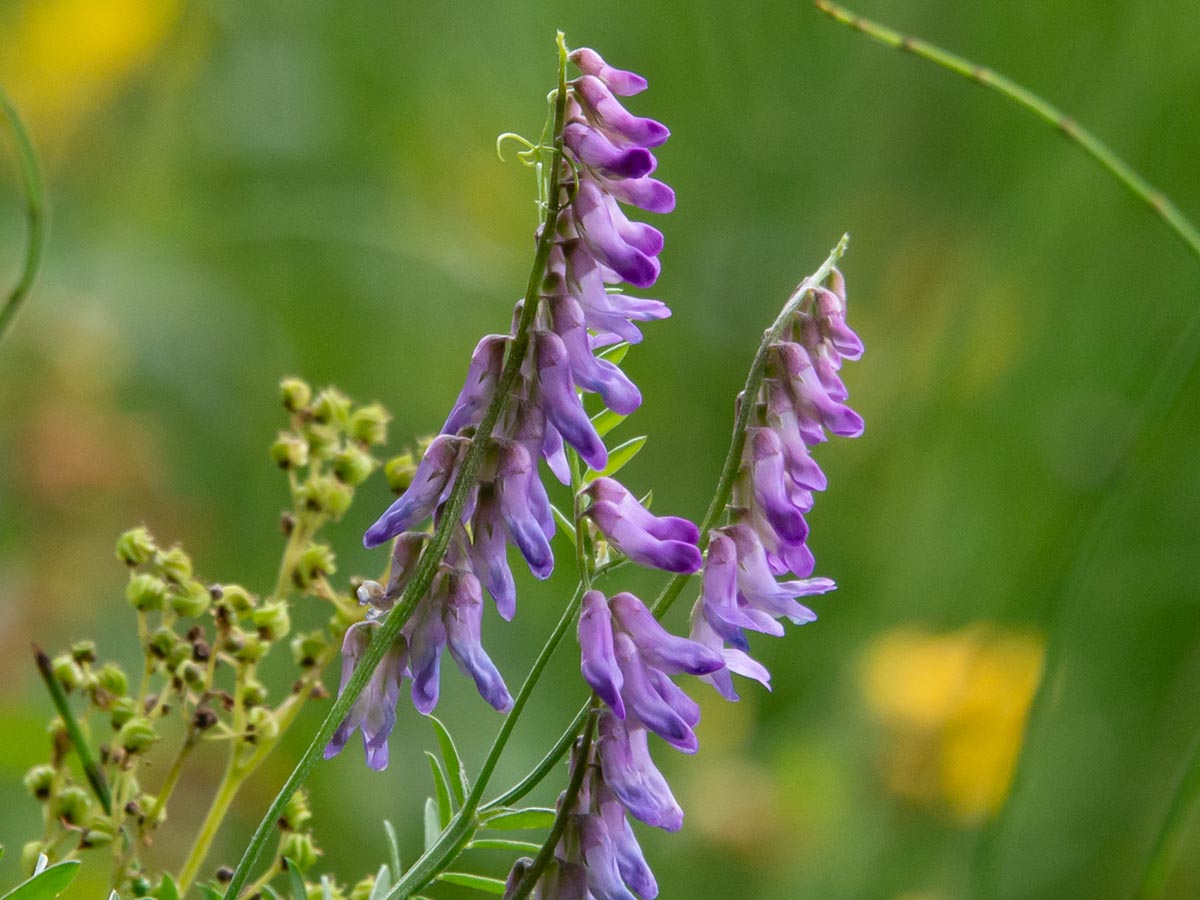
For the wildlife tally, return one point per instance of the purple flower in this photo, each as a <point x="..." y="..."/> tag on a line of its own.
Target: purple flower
<point x="620" y="82"/>
<point x="632" y="776"/>
<point x="604" y="111"/>
<point x="375" y="709"/>
<point x="433" y="478"/>
<point x="482" y="375"/>
<point x="560" y="402"/>
<point x="589" y="373"/>
<point x="665" y="542"/>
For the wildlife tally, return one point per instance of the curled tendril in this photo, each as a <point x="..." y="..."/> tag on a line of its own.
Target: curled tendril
<point x="513" y="136"/>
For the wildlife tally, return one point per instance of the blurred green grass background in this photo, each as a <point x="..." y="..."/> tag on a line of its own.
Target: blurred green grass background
<point x="241" y="191"/>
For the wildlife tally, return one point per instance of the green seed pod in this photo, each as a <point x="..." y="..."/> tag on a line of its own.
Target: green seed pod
<point x="135" y="547"/>
<point x="140" y="886"/>
<point x="189" y="673"/>
<point x="300" y="849"/>
<point x="296" y="813"/>
<point x="368" y="424"/>
<point x="332" y="407"/>
<point x="29" y="856"/>
<point x="295" y="393"/>
<point x="353" y="465"/>
<point x="83" y="652"/>
<point x="289" y="451"/>
<point x="174" y="565"/>
<point x="315" y="561"/>
<point x="123" y="709"/>
<point x="236" y="598"/>
<point x="112" y="679"/>
<point x="136" y="735"/>
<point x="146" y="593"/>
<point x="254" y="693"/>
<point x="162" y="642"/>
<point x="252" y="648"/>
<point x="261" y="722"/>
<point x="72" y="804"/>
<point x="326" y="494"/>
<point x="399" y="471"/>
<point x="192" y="601"/>
<point x="362" y="890"/>
<point x="307" y="648"/>
<point x="67" y="672"/>
<point x="97" y="832"/>
<point x="57" y="732"/>
<point x="39" y="781"/>
<point x="272" y="620"/>
<point x="321" y="439"/>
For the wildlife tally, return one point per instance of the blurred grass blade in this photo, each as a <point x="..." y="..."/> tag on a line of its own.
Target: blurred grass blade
<point x="455" y="770"/>
<point x="433" y="826"/>
<point x="295" y="880"/>
<point x="606" y="420"/>
<point x="504" y="844"/>
<point x="91" y="769"/>
<point x="619" y="457"/>
<point x="565" y="523"/>
<point x="441" y="790"/>
<point x="35" y="206"/>
<point x="383" y="883"/>
<point x="478" y="882"/>
<point x="46" y="884"/>
<point x="167" y="889"/>
<point x="520" y="819"/>
<point x="393" y="848"/>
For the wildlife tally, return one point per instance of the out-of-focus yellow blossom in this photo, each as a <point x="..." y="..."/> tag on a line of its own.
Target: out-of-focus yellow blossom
<point x="61" y="59"/>
<point x="954" y="707"/>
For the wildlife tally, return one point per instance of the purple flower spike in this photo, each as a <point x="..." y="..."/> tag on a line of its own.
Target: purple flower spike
<point x="631" y="774"/>
<point x="562" y="405"/>
<point x="607" y="112"/>
<point x="831" y="308"/>
<point x="641" y="694"/>
<point x="598" y="660"/>
<point x="782" y="419"/>
<point x="482" y="374"/>
<point x="620" y="82"/>
<point x="601" y="233"/>
<point x="433" y="475"/>
<point x="761" y="591"/>
<point x="645" y="193"/>
<point x="672" y="654"/>
<point x="375" y="709"/>
<point x="606" y="312"/>
<point x="598" y="375"/>
<point x="812" y="401"/>
<point x="600" y="859"/>
<point x="666" y="528"/>
<point x="516" y="474"/>
<point x="630" y="860"/>
<point x="463" y="621"/>
<point x="737" y="662"/>
<point x="426" y="642"/>
<point x="592" y="148"/>
<point x="770" y="488"/>
<point x="639" y="545"/>
<point x="489" y="555"/>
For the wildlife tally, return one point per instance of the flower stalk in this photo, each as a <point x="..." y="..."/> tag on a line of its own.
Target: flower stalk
<point x="35" y="214"/>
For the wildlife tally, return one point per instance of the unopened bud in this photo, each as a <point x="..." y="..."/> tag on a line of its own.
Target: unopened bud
<point x="162" y="642"/>
<point x="326" y="494"/>
<point x="353" y="465"/>
<point x="250" y="648"/>
<point x="112" y="679"/>
<point x="67" y="672"/>
<point x="84" y="651"/>
<point x="136" y="735"/>
<point x="316" y="560"/>
<point x="174" y="565"/>
<point x="295" y="393"/>
<point x="307" y="648"/>
<point x="192" y="601"/>
<point x="254" y="693"/>
<point x="261" y="722"/>
<point x="322" y="439"/>
<point x="236" y="598"/>
<point x="203" y="719"/>
<point x="299" y="849"/>
<point x="29" y="856"/>
<point x="146" y="593"/>
<point x="296" y="813"/>
<point x="364" y="889"/>
<point x="224" y="875"/>
<point x="289" y="451"/>
<point x="141" y="886"/>
<point x="123" y="709"/>
<point x="399" y="471"/>
<point x="72" y="804"/>
<point x="135" y="547"/>
<point x="272" y="620"/>
<point x="332" y="407"/>
<point x="39" y="781"/>
<point x="97" y="832"/>
<point x="189" y="673"/>
<point x="368" y="424"/>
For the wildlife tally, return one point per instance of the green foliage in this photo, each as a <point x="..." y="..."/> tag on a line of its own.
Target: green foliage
<point x="46" y="883"/>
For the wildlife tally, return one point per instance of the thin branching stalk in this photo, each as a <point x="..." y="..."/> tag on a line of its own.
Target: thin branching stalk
<point x="35" y="214"/>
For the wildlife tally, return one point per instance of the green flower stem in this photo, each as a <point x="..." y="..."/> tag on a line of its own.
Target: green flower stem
<point x="427" y="565"/>
<point x="91" y="768"/>
<point x="35" y="213"/>
<point x="543" y="768"/>
<point x="1092" y="145"/>
<point x="733" y="459"/>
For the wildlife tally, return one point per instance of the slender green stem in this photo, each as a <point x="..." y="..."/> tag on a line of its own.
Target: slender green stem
<point x="35" y="213"/>
<point x="566" y="807"/>
<point x="1051" y="115"/>
<point x="754" y="379"/>
<point x="91" y="768"/>
<point x="1174" y="827"/>
<point x="543" y="768"/>
<point x="427" y="565"/>
<point x="226" y="791"/>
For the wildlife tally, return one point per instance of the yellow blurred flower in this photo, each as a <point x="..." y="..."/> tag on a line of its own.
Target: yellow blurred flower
<point x="953" y="707"/>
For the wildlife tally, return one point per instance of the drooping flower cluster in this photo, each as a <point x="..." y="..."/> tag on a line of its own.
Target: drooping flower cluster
<point x="801" y="398"/>
<point x="607" y="162"/>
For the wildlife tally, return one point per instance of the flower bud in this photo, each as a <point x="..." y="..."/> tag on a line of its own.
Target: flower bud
<point x="136" y="735"/>
<point x="97" y="832"/>
<point x="332" y="407"/>
<point x="236" y="599"/>
<point x="261" y="722"/>
<point x="135" y="547"/>
<point x="296" y="813"/>
<point x="248" y="648"/>
<point x="189" y="673"/>
<point x="141" y="886"/>
<point x="72" y="804"/>
<point x="192" y="601"/>
<point x="84" y="651"/>
<point x="289" y="451"/>
<point x="39" y="781"/>
<point x="146" y="593"/>
<point x="295" y="393"/>
<point x="299" y="849"/>
<point x="123" y="709"/>
<point x="67" y="672"/>
<point x="399" y="471"/>
<point x="326" y="494"/>
<point x="112" y="679"/>
<point x="254" y="693"/>
<point x="29" y="856"/>
<point x="162" y="642"/>
<point x="307" y="648"/>
<point x="204" y="719"/>
<point x="272" y="620"/>
<point x="353" y="465"/>
<point x="315" y="561"/>
<point x="174" y="565"/>
<point x="322" y="439"/>
<point x="368" y="424"/>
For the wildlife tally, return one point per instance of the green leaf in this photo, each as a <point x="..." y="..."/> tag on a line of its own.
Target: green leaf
<point x="210" y="892"/>
<point x="383" y="883"/>
<point x="167" y="889"/>
<point x="618" y="457"/>
<point x="521" y="819"/>
<point x="614" y="353"/>
<point x="441" y="789"/>
<point x="455" y="769"/>
<point x="504" y="844"/>
<point x="432" y="828"/>
<point x="46" y="884"/>
<point x="606" y="420"/>
<point x="393" y="848"/>
<point x="296" y="880"/>
<point x="271" y="893"/>
<point x="478" y="882"/>
<point x="565" y="523"/>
